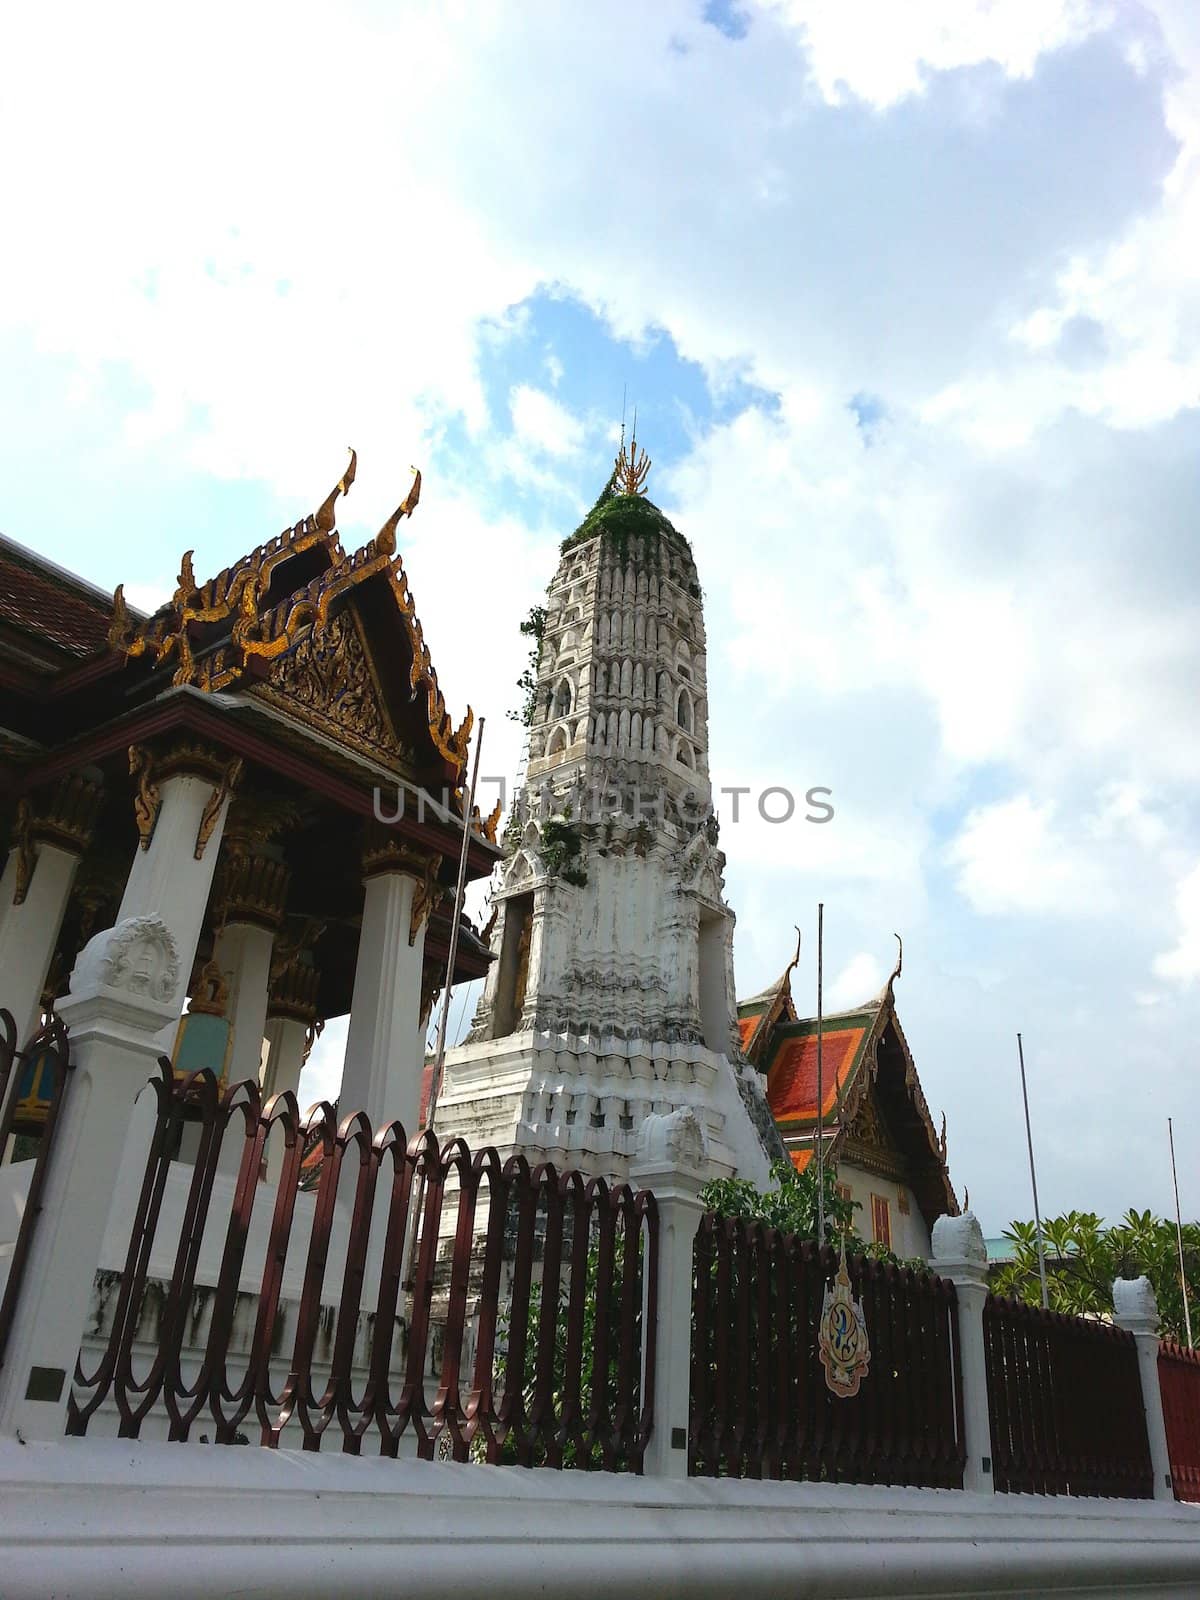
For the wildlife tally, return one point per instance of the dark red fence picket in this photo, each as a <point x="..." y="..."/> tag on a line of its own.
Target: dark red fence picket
<point x="465" y="1290"/>
<point x="1065" y="1400"/>
<point x="1179" y="1380"/>
<point x="760" y="1406"/>
<point x="43" y="1068"/>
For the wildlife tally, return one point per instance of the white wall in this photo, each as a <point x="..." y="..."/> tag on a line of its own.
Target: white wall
<point x="116" y="1520"/>
<point x="910" y="1234"/>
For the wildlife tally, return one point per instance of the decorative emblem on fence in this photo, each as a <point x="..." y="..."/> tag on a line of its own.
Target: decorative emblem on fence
<point x="842" y="1336"/>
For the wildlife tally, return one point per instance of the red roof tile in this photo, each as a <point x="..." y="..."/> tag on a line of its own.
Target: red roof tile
<point x="51" y="609"/>
<point x="792" y="1081"/>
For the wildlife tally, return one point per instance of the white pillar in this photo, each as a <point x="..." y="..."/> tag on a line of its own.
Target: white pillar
<point x="960" y="1254"/>
<point x="1136" y="1310"/>
<point x="243" y="954"/>
<point x="29" y="931"/>
<point x="122" y="994"/>
<point x="671" y="1162"/>
<point x="286" y="1038"/>
<point x="167" y="880"/>
<point x="385" y="1047"/>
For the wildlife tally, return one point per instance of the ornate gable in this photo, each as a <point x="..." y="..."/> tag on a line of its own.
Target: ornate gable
<point x="329" y="681"/>
<point x="870" y="1144"/>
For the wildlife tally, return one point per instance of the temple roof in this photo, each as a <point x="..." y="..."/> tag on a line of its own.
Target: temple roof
<point x="867" y="1073"/>
<point x="49" y="618"/>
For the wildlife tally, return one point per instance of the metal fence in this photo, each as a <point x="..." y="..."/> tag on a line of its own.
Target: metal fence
<point x="760" y="1407"/>
<point x="1179" y="1381"/>
<point x="33" y="1083"/>
<point x="468" y="1338"/>
<point x="1065" y="1400"/>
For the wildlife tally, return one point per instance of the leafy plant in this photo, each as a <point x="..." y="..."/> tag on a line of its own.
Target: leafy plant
<point x="791" y="1207"/>
<point x="533" y="627"/>
<point x="1083" y="1257"/>
<point x="559" y="848"/>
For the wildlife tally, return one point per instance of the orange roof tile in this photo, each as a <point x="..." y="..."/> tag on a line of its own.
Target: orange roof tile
<point x="792" y="1081"/>
<point x="746" y="1027"/>
<point x="801" y="1158"/>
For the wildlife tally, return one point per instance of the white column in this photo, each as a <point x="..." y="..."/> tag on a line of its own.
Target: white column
<point x="166" y="880"/>
<point x="122" y="994"/>
<point x="285" y="1040"/>
<point x="1136" y="1310"/>
<point x="385" y="1047"/>
<point x="243" y="954"/>
<point x="671" y="1162"/>
<point x="29" y="931"/>
<point x="960" y="1254"/>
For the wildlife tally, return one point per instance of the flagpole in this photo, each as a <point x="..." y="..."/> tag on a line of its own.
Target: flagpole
<point x="1037" y="1216"/>
<point x="435" y="1082"/>
<point x="820" y="1076"/>
<point x="1187" y="1315"/>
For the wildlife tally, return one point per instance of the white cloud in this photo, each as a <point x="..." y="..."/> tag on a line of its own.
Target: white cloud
<point x="541" y="421"/>
<point x="1013" y="856"/>
<point x="1181" y="964"/>
<point x="881" y="52"/>
<point x="859" y="980"/>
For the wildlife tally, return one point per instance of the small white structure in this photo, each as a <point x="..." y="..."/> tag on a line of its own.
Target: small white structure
<point x="611" y="997"/>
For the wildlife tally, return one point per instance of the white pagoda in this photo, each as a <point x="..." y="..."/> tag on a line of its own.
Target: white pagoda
<point x="611" y="995"/>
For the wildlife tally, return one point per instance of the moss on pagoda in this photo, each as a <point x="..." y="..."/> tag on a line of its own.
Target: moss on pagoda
<point x="621" y="518"/>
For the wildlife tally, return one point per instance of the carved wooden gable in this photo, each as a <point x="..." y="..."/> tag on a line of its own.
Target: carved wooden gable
<point x="869" y="1142"/>
<point x="329" y="681"/>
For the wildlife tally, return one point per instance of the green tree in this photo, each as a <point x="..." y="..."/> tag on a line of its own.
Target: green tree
<point x="1083" y="1257"/>
<point x="791" y="1207"/>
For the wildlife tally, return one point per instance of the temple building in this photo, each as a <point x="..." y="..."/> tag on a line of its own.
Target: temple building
<point x="611" y="994"/>
<point x="876" y="1130"/>
<point x="214" y="768"/>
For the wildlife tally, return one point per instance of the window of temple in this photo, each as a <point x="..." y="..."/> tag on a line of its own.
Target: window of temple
<point x="562" y="699"/>
<point x="683" y="711"/>
<point x="683" y="755"/>
<point x="902" y="1204"/>
<point x="881" y="1220"/>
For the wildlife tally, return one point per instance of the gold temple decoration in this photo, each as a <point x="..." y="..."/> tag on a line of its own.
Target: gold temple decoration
<point x="260" y="635"/>
<point x="210" y="990"/>
<point x="295" y="978"/>
<point x="632" y="467"/>
<point x="148" y="797"/>
<point x="491" y="822"/>
<point x="842" y="1340"/>
<point x="208" y="819"/>
<point x="427" y="896"/>
<point x="251" y="887"/>
<point x="326" y="517"/>
<point x="332" y="677"/>
<point x="23" y="848"/>
<point x="68" y="817"/>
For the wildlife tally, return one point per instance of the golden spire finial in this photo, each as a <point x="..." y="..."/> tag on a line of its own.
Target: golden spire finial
<point x="632" y="465"/>
<point x="326" y="517"/>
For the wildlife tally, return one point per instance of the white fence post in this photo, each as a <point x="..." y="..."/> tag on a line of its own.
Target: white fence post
<point x="960" y="1254"/>
<point x="1136" y="1310"/>
<point x="122" y="994"/>
<point x="671" y="1163"/>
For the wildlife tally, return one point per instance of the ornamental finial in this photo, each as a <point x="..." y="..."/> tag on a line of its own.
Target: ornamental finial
<point x="631" y="466"/>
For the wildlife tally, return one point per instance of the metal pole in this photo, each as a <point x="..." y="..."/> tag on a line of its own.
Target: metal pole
<point x="1037" y="1216"/>
<point x="435" y="1082"/>
<point x="1187" y="1315"/>
<point x="820" y="1077"/>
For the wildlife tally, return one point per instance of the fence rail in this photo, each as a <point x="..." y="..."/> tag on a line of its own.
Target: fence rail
<point x="1065" y="1400"/>
<point x="498" y="1312"/>
<point x="760" y="1407"/>
<point x="43" y="1068"/>
<point x="1179" y="1381"/>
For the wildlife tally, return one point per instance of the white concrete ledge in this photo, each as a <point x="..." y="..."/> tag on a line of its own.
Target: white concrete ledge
<point x="90" y="1520"/>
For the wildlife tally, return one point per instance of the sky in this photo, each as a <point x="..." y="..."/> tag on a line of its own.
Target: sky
<point x="907" y="300"/>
